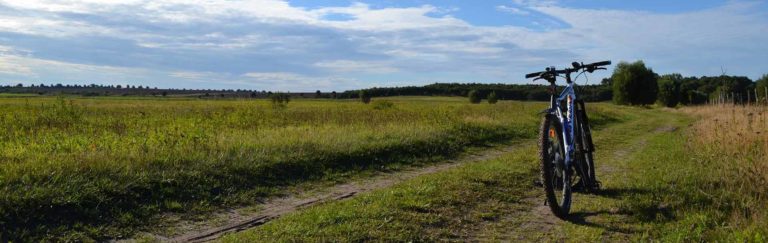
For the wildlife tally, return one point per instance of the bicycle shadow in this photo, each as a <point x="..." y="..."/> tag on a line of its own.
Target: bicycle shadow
<point x="619" y="193"/>
<point x="633" y="213"/>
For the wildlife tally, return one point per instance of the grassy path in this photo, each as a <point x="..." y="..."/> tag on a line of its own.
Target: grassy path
<point x="240" y="219"/>
<point x="490" y="200"/>
<point x="624" y="154"/>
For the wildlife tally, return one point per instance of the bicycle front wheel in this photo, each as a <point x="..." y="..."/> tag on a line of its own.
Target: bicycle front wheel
<point x="554" y="175"/>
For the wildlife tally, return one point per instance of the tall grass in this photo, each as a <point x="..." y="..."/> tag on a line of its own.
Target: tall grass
<point x="732" y="143"/>
<point x="101" y="168"/>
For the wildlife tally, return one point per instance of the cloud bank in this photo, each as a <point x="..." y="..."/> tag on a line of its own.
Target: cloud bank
<point x="273" y="45"/>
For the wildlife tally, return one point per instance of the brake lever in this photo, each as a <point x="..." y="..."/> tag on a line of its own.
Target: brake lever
<point x="592" y="69"/>
<point x="534" y="80"/>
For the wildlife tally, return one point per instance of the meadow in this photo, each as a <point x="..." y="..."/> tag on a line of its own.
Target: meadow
<point x="94" y="169"/>
<point x="691" y="174"/>
<point x="100" y="168"/>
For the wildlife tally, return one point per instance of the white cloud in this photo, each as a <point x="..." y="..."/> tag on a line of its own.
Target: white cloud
<point x="34" y="67"/>
<point x="278" y="76"/>
<point x="48" y="27"/>
<point x="283" y="81"/>
<point x="512" y="10"/>
<point x="674" y="41"/>
<point x="190" y="75"/>
<point x="9" y="66"/>
<point x="351" y="66"/>
<point x="389" y="19"/>
<point x="535" y="3"/>
<point x="221" y="42"/>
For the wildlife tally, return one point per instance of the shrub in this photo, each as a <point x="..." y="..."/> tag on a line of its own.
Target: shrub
<point x="474" y="97"/>
<point x="280" y="99"/>
<point x="365" y="97"/>
<point x="492" y="98"/>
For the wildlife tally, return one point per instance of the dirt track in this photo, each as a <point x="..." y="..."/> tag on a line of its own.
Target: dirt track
<point x="236" y="220"/>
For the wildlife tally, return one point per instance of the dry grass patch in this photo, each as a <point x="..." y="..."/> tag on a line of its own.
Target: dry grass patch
<point x="733" y="142"/>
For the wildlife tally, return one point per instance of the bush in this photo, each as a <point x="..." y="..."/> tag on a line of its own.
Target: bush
<point x="634" y="84"/>
<point x="365" y="97"/>
<point x="280" y="99"/>
<point x="492" y="98"/>
<point x="474" y="97"/>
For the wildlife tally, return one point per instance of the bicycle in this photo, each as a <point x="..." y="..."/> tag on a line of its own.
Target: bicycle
<point x="565" y="140"/>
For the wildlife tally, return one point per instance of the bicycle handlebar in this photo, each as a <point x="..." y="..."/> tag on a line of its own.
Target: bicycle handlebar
<point x="531" y="75"/>
<point x="603" y="63"/>
<point x="576" y="67"/>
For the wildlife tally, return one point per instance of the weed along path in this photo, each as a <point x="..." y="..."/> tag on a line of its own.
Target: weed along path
<point x="496" y="199"/>
<point x="241" y="219"/>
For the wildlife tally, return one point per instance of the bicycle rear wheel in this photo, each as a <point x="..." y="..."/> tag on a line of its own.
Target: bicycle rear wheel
<point x="554" y="175"/>
<point x="584" y="140"/>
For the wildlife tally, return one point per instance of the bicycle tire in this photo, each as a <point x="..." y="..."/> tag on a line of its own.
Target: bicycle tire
<point x="555" y="181"/>
<point x="587" y="147"/>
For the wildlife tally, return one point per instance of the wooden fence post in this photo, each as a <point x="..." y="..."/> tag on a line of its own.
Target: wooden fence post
<point x="757" y="98"/>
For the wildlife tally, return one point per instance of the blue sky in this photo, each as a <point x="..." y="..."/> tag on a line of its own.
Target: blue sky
<point x="329" y="45"/>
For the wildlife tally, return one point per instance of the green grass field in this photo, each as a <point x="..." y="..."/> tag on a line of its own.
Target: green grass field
<point x="101" y="168"/>
<point x="83" y="169"/>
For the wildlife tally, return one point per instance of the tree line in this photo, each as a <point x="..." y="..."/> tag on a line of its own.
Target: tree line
<point x="135" y="90"/>
<point x="630" y="84"/>
<point x="635" y="84"/>
<point x="598" y="92"/>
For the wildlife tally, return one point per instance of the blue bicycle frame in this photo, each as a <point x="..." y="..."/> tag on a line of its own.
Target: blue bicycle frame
<point x="567" y="121"/>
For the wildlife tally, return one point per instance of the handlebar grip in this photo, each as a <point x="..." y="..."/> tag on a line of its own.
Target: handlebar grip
<point x="531" y="75"/>
<point x="603" y="63"/>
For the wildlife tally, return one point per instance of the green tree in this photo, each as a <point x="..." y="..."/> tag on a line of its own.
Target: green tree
<point x="365" y="97"/>
<point x="474" y="96"/>
<point x="761" y="85"/>
<point x="634" y="84"/>
<point x="669" y="89"/>
<point x="492" y="98"/>
<point x="606" y="81"/>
